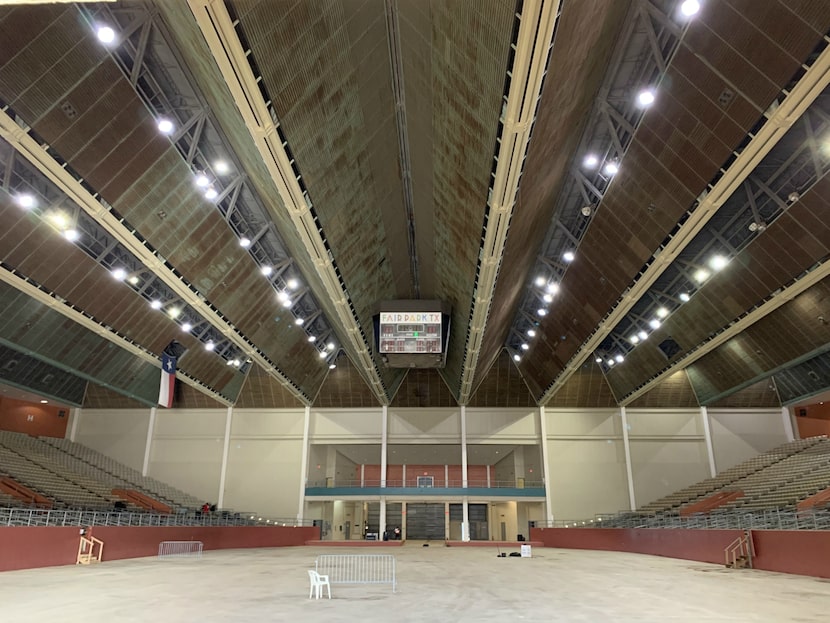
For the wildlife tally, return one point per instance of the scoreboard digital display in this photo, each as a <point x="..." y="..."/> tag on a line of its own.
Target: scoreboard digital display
<point x="410" y="332"/>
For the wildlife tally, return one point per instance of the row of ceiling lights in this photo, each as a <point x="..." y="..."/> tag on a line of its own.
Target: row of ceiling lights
<point x="167" y="127"/>
<point x="609" y="168"/>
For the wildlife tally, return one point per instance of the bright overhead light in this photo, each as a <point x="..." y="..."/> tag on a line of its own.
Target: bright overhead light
<point x="322" y="354"/>
<point x="134" y="280"/>
<point x="598" y="360"/>
<point x="286" y="303"/>
<point x="105" y="34"/>
<point x="312" y="338"/>
<point x="654" y="323"/>
<point x="531" y="332"/>
<point x="701" y="275"/>
<point x="174" y="312"/>
<point x="292" y="284"/>
<point x="610" y="362"/>
<point x="548" y="298"/>
<point x="524" y="346"/>
<point x="539" y="281"/>
<point x="236" y="362"/>
<point x="642" y="335"/>
<point x="210" y="346"/>
<point x="25" y="201"/>
<point x="298" y="321"/>
<point x="155" y="304"/>
<point x="684" y="296"/>
<point x="332" y="366"/>
<point x="221" y="167"/>
<point x="718" y="262"/>
<point x="612" y="168"/>
<point x="202" y="180"/>
<point x="330" y="346"/>
<point x="165" y="126"/>
<point x="59" y="219"/>
<point x="71" y="235"/>
<point x="266" y="270"/>
<point x="645" y="98"/>
<point x="634" y="339"/>
<point x="662" y="312"/>
<point x="619" y="358"/>
<point x="119" y="273"/>
<point x="517" y="358"/>
<point x="590" y="161"/>
<point x="282" y="295"/>
<point x="187" y="327"/>
<point x="244" y="242"/>
<point x="43" y="402"/>
<point x="689" y="8"/>
<point x="211" y="194"/>
<point x="542" y="311"/>
<point x="552" y="287"/>
<point x="568" y="256"/>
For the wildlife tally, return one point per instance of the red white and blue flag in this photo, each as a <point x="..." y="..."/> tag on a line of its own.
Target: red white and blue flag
<point x="168" y="380"/>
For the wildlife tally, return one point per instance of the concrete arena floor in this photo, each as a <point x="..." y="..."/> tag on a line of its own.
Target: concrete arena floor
<point x="434" y="584"/>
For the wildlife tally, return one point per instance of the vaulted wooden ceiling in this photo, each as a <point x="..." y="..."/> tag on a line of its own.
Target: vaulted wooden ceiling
<point x="398" y="149"/>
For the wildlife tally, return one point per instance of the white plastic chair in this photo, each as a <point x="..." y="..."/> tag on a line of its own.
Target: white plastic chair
<point x="317" y="583"/>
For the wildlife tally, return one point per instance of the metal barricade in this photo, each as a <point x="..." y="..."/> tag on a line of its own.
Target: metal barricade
<point x="358" y="568"/>
<point x="180" y="549"/>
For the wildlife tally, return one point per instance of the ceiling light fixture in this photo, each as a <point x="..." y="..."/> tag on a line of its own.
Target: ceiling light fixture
<point x="645" y="98"/>
<point x="542" y="311"/>
<point x="202" y="180"/>
<point x="701" y="275"/>
<point x="293" y="284"/>
<point x="165" y="126"/>
<point x="134" y="280"/>
<point x="155" y="304"/>
<point x="642" y="335"/>
<point x="330" y="345"/>
<point x="531" y="332"/>
<point x="298" y="321"/>
<point x="119" y="273"/>
<point x="211" y="193"/>
<point x="266" y="270"/>
<point x="174" y="312"/>
<point x="718" y="262"/>
<point x="332" y="366"/>
<point x="553" y="288"/>
<point x="187" y="327"/>
<point x="591" y="161"/>
<point x="568" y="256"/>
<point x="312" y="338"/>
<point x="598" y="360"/>
<point x="654" y="323"/>
<point x="619" y="358"/>
<point x="610" y="362"/>
<point x="689" y="8"/>
<point x="322" y="354"/>
<point x="25" y="201"/>
<point x="59" y="219"/>
<point x="244" y="242"/>
<point x="524" y="346"/>
<point x="221" y="167"/>
<point x="71" y="235"/>
<point x="662" y="312"/>
<point x="548" y="298"/>
<point x="539" y="281"/>
<point x="210" y="346"/>
<point x="286" y="303"/>
<point x="105" y="34"/>
<point x="634" y="339"/>
<point x="684" y="296"/>
<point x="517" y="358"/>
<point x="612" y="168"/>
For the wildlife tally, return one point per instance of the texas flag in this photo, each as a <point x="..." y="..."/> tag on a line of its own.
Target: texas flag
<point x="168" y="380"/>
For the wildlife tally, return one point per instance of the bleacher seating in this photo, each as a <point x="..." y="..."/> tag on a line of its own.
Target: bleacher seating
<point x="72" y="475"/>
<point x="778" y="478"/>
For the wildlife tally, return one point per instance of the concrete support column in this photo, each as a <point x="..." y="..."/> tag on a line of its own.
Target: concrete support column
<point x="627" y="447"/>
<point x="304" y="464"/>
<point x="403" y="475"/>
<point x="148" y="444"/>
<point x="464" y="447"/>
<point x="382" y="517"/>
<point x="403" y="521"/>
<point x="465" y="522"/>
<point x="543" y="433"/>
<point x="446" y="521"/>
<point x="76" y="418"/>
<point x="225" y="448"/>
<point x="488" y="476"/>
<point x="707" y="435"/>
<point x="789" y="429"/>
<point x="383" y="440"/>
<point x="446" y="476"/>
<point x="362" y="475"/>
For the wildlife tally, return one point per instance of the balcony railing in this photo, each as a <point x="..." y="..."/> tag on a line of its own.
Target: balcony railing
<point x="413" y="483"/>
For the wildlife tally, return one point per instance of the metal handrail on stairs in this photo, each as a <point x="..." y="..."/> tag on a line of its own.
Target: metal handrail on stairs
<point x="740" y="550"/>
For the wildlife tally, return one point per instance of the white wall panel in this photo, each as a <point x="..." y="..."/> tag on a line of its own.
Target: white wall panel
<point x="192" y="465"/>
<point x="345" y="425"/>
<point x="739" y="434"/>
<point x="267" y="423"/>
<point x="581" y="423"/>
<point x="660" y="467"/>
<point x="502" y="425"/>
<point x="119" y="433"/>
<point x="669" y="423"/>
<point x="424" y="425"/>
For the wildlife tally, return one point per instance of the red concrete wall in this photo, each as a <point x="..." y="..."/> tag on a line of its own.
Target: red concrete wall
<point x="27" y="548"/>
<point x="802" y="552"/>
<point x="34" y="419"/>
<point x="702" y="545"/>
<point x="793" y="551"/>
<point x="812" y="427"/>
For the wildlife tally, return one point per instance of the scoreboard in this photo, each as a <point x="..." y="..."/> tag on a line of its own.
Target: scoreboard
<point x="410" y="332"/>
